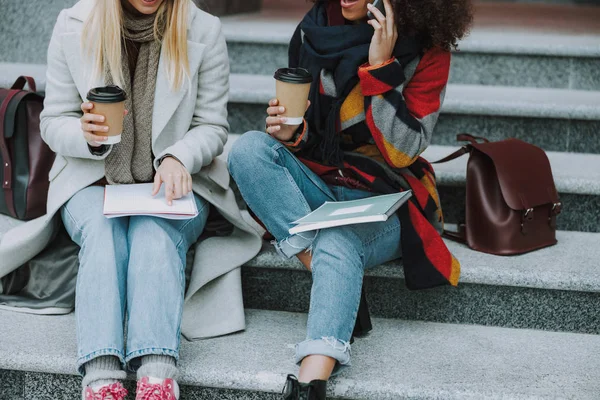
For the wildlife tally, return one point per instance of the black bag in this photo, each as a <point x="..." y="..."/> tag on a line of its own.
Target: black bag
<point x="24" y="157"/>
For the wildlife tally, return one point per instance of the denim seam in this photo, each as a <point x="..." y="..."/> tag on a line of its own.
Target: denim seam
<point x="180" y="301"/>
<point x="151" y="351"/>
<point x="75" y="223"/>
<point x="109" y="351"/>
<point x="182" y="275"/>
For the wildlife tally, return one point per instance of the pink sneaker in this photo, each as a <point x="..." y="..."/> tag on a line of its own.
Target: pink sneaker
<point x="149" y="388"/>
<point x="115" y="391"/>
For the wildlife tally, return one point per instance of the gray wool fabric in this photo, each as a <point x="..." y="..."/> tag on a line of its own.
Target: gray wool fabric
<point x="156" y="366"/>
<point x="131" y="160"/>
<point x="103" y="370"/>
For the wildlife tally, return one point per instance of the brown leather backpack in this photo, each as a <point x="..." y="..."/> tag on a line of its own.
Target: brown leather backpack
<point x="25" y="158"/>
<point x="512" y="202"/>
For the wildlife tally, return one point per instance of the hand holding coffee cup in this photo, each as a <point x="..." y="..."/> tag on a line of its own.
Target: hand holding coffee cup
<point x="102" y="121"/>
<point x="286" y="112"/>
<point x="277" y="125"/>
<point x="91" y="126"/>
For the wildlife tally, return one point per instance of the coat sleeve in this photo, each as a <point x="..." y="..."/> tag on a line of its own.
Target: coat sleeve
<point x="401" y="115"/>
<point x="60" y="124"/>
<point x="208" y="134"/>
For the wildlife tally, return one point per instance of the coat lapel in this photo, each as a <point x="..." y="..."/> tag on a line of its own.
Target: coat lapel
<point x="81" y="70"/>
<point x="166" y="100"/>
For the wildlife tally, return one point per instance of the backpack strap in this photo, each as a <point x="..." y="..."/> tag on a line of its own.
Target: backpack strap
<point x="22" y="80"/>
<point x="462" y="137"/>
<point x="6" y="160"/>
<point x="457" y="154"/>
<point x="467" y="137"/>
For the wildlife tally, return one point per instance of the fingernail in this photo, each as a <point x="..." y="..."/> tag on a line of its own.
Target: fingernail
<point x="105" y="129"/>
<point x="101" y="119"/>
<point x="281" y="109"/>
<point x="284" y="119"/>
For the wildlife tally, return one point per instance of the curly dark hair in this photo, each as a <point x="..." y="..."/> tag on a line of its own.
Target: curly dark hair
<point x="437" y="23"/>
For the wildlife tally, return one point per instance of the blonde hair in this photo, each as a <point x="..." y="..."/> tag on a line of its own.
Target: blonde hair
<point x="103" y="32"/>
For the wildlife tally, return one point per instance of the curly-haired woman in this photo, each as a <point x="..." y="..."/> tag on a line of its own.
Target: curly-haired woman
<point x="377" y="92"/>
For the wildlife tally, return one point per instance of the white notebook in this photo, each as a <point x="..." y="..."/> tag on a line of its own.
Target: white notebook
<point x="372" y="209"/>
<point x="129" y="200"/>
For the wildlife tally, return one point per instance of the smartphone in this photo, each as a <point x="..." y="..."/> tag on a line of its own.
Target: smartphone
<point x="380" y="6"/>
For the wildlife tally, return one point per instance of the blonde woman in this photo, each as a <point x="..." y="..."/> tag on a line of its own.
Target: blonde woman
<point x="171" y="59"/>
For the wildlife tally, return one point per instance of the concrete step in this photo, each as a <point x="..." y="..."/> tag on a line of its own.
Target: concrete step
<point x="549" y="289"/>
<point x="555" y="119"/>
<point x="511" y="44"/>
<point x="399" y="360"/>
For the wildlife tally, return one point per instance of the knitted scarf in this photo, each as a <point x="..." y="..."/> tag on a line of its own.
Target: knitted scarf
<point x="338" y="49"/>
<point x="131" y="160"/>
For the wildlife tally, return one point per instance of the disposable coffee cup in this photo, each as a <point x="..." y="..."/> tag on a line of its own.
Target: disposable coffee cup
<point x="109" y="101"/>
<point x="293" y="88"/>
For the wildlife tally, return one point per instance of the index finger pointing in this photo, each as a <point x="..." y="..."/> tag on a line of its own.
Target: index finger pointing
<point x="169" y="186"/>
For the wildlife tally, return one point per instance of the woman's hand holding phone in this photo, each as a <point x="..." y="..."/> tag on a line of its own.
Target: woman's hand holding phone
<point x="385" y="36"/>
<point x="276" y="126"/>
<point x="93" y="132"/>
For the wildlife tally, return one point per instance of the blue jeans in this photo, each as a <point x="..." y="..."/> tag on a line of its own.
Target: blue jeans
<point x="280" y="189"/>
<point x="132" y="266"/>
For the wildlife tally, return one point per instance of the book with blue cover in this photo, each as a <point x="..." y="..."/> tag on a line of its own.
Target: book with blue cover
<point x="339" y="213"/>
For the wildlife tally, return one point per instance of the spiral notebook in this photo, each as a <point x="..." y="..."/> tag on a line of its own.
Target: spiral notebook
<point x="137" y="199"/>
<point x="339" y="213"/>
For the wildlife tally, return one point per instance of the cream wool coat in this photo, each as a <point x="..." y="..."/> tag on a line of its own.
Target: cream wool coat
<point x="190" y="124"/>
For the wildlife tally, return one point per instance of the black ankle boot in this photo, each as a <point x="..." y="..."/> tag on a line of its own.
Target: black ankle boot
<point x="294" y="390"/>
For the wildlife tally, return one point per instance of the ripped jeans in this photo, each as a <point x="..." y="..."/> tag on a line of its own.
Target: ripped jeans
<point x="280" y="189"/>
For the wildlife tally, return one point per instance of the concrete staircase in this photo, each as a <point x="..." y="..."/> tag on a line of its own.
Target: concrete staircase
<point x="523" y="327"/>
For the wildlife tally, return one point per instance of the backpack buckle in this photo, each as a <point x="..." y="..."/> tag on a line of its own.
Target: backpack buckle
<point x="554" y="212"/>
<point x="527" y="216"/>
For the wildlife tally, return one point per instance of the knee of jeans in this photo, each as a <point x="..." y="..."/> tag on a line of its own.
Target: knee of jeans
<point x="98" y="228"/>
<point x="339" y="246"/>
<point x="148" y="239"/>
<point x="247" y="150"/>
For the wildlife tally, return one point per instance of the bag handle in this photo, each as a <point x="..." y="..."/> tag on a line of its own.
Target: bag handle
<point x="467" y="137"/>
<point x="22" y="80"/>
<point x="462" y="137"/>
<point x="458" y="153"/>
